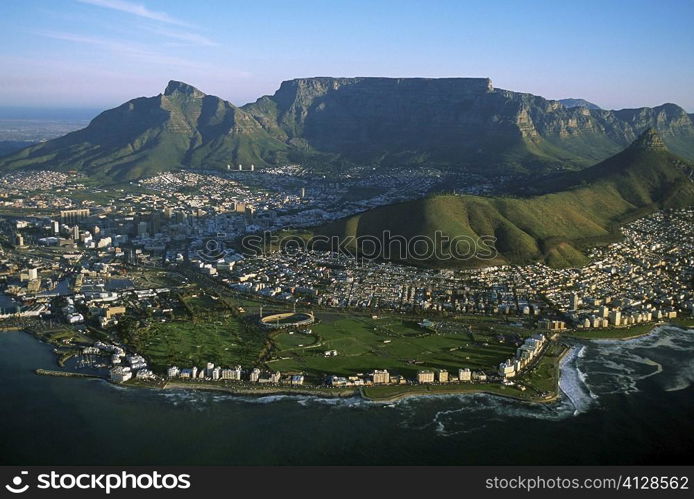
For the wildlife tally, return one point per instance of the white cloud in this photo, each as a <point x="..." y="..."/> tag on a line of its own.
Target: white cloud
<point x="129" y="50"/>
<point x="135" y="9"/>
<point x="184" y="36"/>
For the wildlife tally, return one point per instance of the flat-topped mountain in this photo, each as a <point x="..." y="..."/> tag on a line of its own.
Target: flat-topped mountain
<point x="336" y="122"/>
<point x="553" y="227"/>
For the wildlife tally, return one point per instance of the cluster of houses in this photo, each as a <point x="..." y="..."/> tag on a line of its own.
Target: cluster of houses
<point x="525" y="354"/>
<point x="218" y="373"/>
<point x="124" y="366"/>
<point x="425" y="376"/>
<point x="377" y="377"/>
<point x="615" y="317"/>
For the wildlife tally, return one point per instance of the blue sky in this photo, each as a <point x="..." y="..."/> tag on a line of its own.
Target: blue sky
<point x="99" y="53"/>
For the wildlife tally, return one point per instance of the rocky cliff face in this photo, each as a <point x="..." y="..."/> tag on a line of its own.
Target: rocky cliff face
<point x="456" y="121"/>
<point x="447" y="122"/>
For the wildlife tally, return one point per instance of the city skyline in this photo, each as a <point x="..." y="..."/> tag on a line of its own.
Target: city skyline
<point x="100" y="53"/>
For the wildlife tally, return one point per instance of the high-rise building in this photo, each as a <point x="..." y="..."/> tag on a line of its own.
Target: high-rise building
<point x="464" y="374"/>
<point x="381" y="377"/>
<point x="425" y="377"/>
<point x="156" y="222"/>
<point x="615" y="317"/>
<point x="72" y="216"/>
<point x="574" y="302"/>
<point x="249" y="213"/>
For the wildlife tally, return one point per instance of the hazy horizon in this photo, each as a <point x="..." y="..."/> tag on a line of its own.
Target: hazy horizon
<point x="97" y="54"/>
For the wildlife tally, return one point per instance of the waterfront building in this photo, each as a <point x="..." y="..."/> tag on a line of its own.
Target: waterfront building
<point x="381" y="377"/>
<point x="615" y="317"/>
<point x="120" y="374"/>
<point x="425" y="376"/>
<point x="507" y="369"/>
<point x="231" y="374"/>
<point x="464" y="374"/>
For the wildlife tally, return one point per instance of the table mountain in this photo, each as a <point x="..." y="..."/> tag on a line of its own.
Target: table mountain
<point x="339" y="122"/>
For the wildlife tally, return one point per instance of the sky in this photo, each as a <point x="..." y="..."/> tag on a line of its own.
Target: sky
<point x="100" y="53"/>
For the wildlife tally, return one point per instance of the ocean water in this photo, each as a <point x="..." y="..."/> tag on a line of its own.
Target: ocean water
<point x="623" y="402"/>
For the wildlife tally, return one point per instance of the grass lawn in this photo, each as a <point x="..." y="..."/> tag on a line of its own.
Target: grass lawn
<point x="392" y="343"/>
<point x="288" y="341"/>
<point x="682" y="322"/>
<point x="225" y="342"/>
<point x="544" y="376"/>
<point x="205" y="330"/>
<point x="56" y="336"/>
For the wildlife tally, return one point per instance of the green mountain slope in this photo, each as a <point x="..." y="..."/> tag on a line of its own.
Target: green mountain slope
<point x="552" y="227"/>
<point x="180" y="128"/>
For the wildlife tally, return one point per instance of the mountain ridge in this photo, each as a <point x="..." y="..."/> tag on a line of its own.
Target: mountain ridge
<point x="574" y="102"/>
<point x="327" y="122"/>
<point x="553" y="227"/>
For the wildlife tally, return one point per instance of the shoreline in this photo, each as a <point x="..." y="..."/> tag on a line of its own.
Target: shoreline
<point x="466" y="391"/>
<point x="253" y="390"/>
<point x="342" y="393"/>
<point x="409" y="391"/>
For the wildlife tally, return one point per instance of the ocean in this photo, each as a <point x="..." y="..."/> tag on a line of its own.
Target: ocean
<point x="623" y="402"/>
